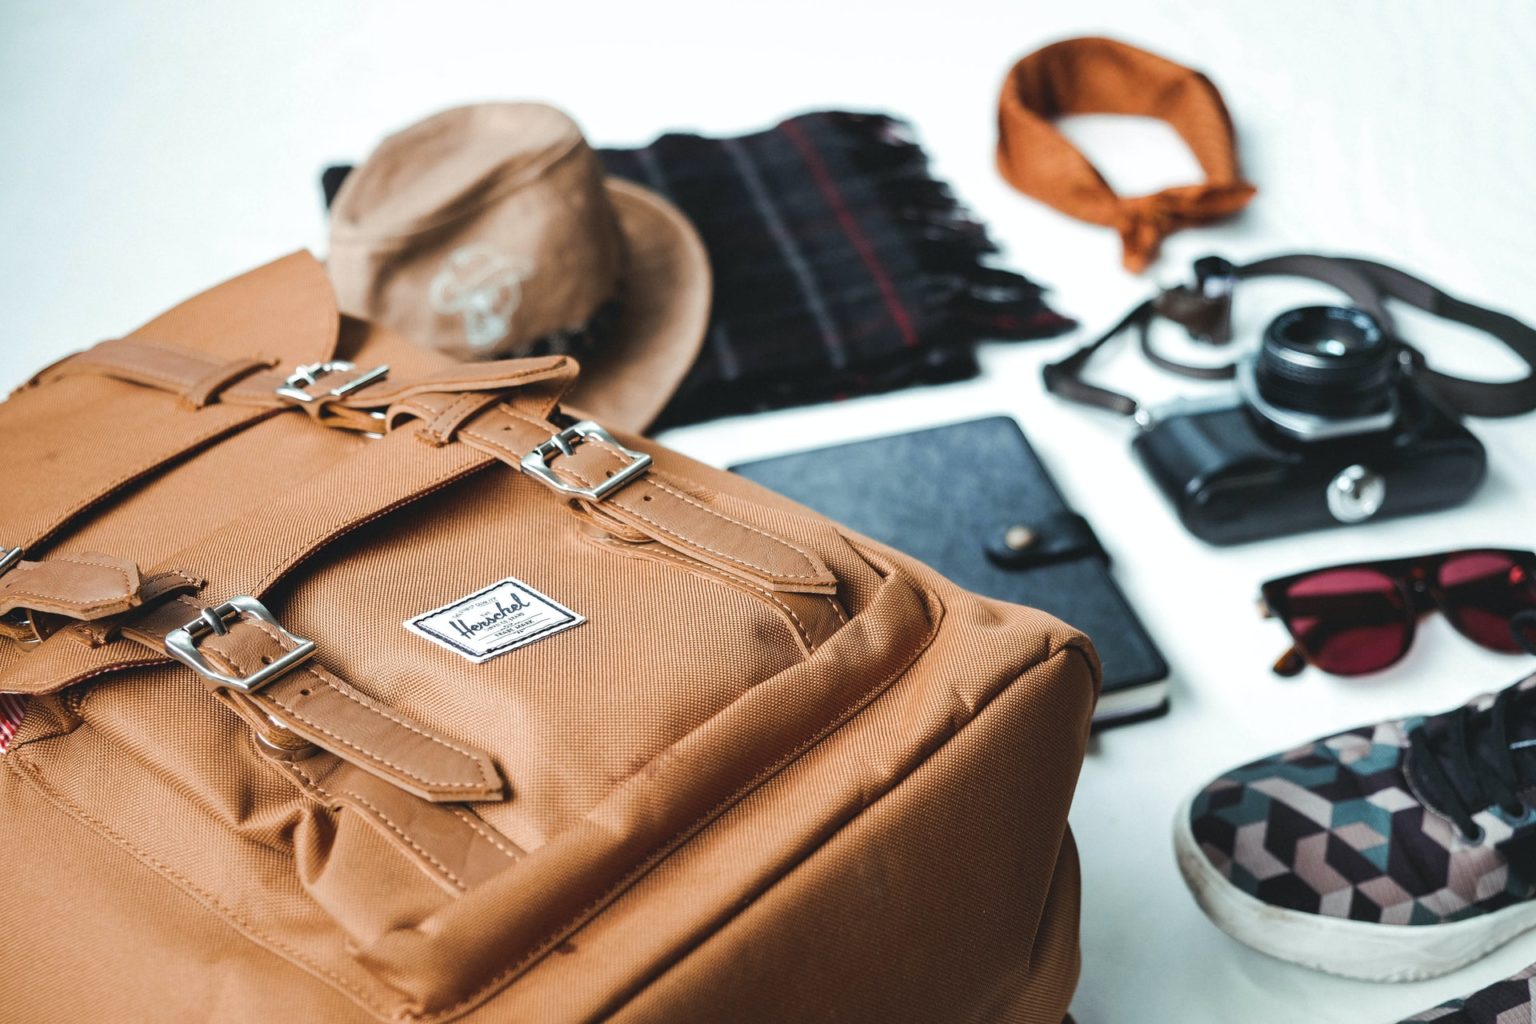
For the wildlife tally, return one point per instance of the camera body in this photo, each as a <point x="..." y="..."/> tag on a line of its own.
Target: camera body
<point x="1331" y="428"/>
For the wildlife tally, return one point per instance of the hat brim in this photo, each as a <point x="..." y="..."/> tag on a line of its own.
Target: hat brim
<point x="662" y="318"/>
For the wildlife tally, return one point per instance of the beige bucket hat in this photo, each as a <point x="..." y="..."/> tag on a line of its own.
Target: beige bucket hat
<point x="489" y="231"/>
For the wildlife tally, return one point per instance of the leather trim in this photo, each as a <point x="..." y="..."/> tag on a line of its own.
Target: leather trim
<point x="659" y="510"/>
<point x="193" y="377"/>
<point x="100" y="631"/>
<point x="457" y="849"/>
<point x="320" y="707"/>
<point x="198" y="379"/>
<point x="84" y="586"/>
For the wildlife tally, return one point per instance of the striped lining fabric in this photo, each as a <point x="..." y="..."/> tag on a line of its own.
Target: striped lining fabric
<point x="12" y="707"/>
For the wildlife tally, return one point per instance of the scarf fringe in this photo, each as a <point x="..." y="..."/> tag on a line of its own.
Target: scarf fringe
<point x="968" y="297"/>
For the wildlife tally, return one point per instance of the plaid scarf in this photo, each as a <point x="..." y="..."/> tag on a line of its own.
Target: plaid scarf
<point x="841" y="267"/>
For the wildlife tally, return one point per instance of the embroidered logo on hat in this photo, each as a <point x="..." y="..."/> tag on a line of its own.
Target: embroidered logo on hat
<point x="482" y="286"/>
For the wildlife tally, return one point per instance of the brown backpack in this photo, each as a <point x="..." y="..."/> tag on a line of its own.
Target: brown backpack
<point x="361" y="694"/>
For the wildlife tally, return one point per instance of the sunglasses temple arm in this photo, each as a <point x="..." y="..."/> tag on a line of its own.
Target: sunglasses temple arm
<point x="1291" y="663"/>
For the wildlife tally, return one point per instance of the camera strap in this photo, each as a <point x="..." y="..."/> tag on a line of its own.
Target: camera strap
<point x="1204" y="309"/>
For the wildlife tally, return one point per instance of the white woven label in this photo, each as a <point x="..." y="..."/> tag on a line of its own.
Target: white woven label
<point x="493" y="621"/>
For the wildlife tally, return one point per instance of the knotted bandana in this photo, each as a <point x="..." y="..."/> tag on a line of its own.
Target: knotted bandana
<point x="1101" y="76"/>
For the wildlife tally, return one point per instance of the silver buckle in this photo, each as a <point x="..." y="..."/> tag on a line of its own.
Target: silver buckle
<point x="310" y="374"/>
<point x="181" y="644"/>
<point x="536" y="462"/>
<point x="8" y="559"/>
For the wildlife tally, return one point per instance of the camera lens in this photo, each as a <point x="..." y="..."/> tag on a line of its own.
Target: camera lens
<point x="1327" y="361"/>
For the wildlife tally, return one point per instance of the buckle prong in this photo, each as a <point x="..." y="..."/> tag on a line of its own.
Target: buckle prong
<point x="309" y="374"/>
<point x="536" y="462"/>
<point x="8" y="559"/>
<point x="182" y="644"/>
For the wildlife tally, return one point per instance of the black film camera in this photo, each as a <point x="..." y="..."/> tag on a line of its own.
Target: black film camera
<point x="1331" y="427"/>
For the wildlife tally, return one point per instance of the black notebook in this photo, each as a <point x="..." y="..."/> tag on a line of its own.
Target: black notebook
<point x="973" y="501"/>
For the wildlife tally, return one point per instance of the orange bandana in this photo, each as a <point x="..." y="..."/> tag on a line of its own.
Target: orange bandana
<point x="1093" y="75"/>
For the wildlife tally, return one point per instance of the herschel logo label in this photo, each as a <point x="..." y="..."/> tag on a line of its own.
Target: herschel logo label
<point x="498" y="619"/>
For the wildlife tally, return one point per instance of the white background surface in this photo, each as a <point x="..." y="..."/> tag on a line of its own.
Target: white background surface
<point x="149" y="150"/>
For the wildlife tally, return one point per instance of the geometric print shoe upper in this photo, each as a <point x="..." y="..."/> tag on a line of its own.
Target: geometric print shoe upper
<point x="1510" y="1001"/>
<point x="1421" y="822"/>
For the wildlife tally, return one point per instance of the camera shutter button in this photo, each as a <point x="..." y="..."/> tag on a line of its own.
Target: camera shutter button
<point x="1356" y="494"/>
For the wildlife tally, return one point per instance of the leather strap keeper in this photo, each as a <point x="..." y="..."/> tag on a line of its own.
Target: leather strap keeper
<point x="86" y="586"/>
<point x="319" y="707"/>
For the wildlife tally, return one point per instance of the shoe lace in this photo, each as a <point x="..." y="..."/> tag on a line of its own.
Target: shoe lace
<point x="1461" y="776"/>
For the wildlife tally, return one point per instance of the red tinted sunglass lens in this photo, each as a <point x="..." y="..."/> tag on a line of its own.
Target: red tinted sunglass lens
<point x="1348" y="621"/>
<point x="1484" y="591"/>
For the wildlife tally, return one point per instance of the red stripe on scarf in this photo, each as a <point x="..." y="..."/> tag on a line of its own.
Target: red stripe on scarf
<point x="850" y="226"/>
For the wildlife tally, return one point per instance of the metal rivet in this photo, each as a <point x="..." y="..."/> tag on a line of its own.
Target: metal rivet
<point x="1019" y="538"/>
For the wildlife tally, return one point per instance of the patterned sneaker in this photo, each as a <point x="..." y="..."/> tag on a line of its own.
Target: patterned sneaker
<point x="1391" y="852"/>
<point x="1504" y="1002"/>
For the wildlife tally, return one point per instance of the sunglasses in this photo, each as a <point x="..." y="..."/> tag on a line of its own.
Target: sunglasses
<point x="1353" y="619"/>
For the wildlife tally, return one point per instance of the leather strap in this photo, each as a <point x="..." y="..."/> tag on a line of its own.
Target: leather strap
<point x="90" y="590"/>
<point x="196" y="378"/>
<point x="659" y="508"/>
<point x="1379" y="281"/>
<point x="1102" y="76"/>
<point x="154" y="588"/>
<point x="455" y="848"/>
<point x="1368" y="285"/>
<point x="317" y="706"/>
<point x="1065" y="377"/>
<point x="199" y="379"/>
<point x="85" y="586"/>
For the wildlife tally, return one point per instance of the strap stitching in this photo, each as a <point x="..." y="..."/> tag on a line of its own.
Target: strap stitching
<point x="484" y="831"/>
<point x="385" y="818"/>
<point x="838" y="608"/>
<point x="705" y="547"/>
<point x="205" y="389"/>
<point x="374" y="710"/>
<point x="84" y="606"/>
<point x="138" y="375"/>
<point x="370" y="755"/>
<point x="446" y="387"/>
<point x="436" y="428"/>
<point x="652" y="480"/>
<point x="799" y="551"/>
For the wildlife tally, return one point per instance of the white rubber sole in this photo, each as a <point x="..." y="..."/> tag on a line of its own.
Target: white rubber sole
<point x="1353" y="949"/>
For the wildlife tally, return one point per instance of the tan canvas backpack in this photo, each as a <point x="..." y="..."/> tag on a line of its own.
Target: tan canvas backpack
<point x="362" y="694"/>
